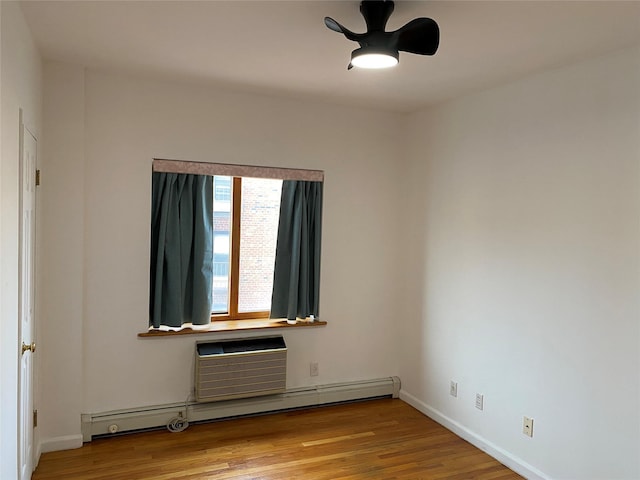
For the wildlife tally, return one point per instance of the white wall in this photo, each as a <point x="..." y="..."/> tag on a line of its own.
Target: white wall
<point x="20" y="88"/>
<point x="523" y="283"/>
<point x="99" y="221"/>
<point x="62" y="256"/>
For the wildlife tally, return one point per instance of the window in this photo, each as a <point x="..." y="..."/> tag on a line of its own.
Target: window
<point x="231" y="242"/>
<point x="245" y="230"/>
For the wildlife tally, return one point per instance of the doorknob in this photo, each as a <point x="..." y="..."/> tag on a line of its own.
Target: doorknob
<point x="30" y="348"/>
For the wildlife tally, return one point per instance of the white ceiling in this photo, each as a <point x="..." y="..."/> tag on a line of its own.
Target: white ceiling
<point x="283" y="47"/>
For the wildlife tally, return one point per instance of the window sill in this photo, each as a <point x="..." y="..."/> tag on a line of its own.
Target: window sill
<point x="232" y="326"/>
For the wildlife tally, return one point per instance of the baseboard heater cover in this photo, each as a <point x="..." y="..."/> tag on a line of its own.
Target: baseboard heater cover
<point x="128" y="420"/>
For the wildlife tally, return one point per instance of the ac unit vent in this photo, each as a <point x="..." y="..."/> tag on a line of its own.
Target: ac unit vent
<point x="240" y="368"/>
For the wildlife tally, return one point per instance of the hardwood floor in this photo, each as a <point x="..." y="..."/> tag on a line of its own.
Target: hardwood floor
<point x="380" y="439"/>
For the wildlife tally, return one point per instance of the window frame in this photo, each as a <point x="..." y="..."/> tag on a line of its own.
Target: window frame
<point x="234" y="261"/>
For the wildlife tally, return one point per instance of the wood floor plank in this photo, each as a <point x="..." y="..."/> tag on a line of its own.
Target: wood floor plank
<point x="379" y="439"/>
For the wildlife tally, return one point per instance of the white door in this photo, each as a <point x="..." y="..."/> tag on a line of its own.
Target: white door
<point x="27" y="298"/>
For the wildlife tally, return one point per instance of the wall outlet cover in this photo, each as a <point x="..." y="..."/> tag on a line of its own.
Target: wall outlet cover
<point x="479" y="401"/>
<point x="527" y="426"/>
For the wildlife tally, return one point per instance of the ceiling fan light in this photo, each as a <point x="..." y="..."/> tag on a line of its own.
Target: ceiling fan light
<point x="368" y="57"/>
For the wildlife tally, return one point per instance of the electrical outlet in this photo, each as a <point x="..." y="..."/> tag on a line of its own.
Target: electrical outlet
<point x="453" y="389"/>
<point x="479" y="401"/>
<point x="313" y="369"/>
<point x="527" y="426"/>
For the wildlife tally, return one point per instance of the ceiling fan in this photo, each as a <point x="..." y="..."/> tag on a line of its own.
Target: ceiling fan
<point x="380" y="49"/>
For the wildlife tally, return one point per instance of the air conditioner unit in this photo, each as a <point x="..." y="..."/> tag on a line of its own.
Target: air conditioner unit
<point x="240" y="368"/>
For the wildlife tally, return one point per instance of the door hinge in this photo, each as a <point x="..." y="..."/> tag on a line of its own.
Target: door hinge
<point x="38" y="178"/>
<point x="35" y="418"/>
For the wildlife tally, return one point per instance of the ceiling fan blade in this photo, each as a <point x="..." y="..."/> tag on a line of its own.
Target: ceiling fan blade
<point x="421" y="36"/>
<point x="336" y="27"/>
<point x="333" y="25"/>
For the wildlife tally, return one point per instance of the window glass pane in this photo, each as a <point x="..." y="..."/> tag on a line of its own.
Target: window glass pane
<point x="221" y="243"/>
<point x="222" y="189"/>
<point x="258" y="236"/>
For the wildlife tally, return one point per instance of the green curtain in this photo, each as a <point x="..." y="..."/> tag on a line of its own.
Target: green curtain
<point x="296" y="277"/>
<point x="181" y="249"/>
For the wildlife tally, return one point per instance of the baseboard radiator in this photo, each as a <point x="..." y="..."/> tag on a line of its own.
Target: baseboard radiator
<point x="127" y="420"/>
<point x="237" y="377"/>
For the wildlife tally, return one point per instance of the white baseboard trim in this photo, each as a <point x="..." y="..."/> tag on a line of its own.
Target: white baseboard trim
<point x="94" y="424"/>
<point x="66" y="442"/>
<point x="506" y="458"/>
